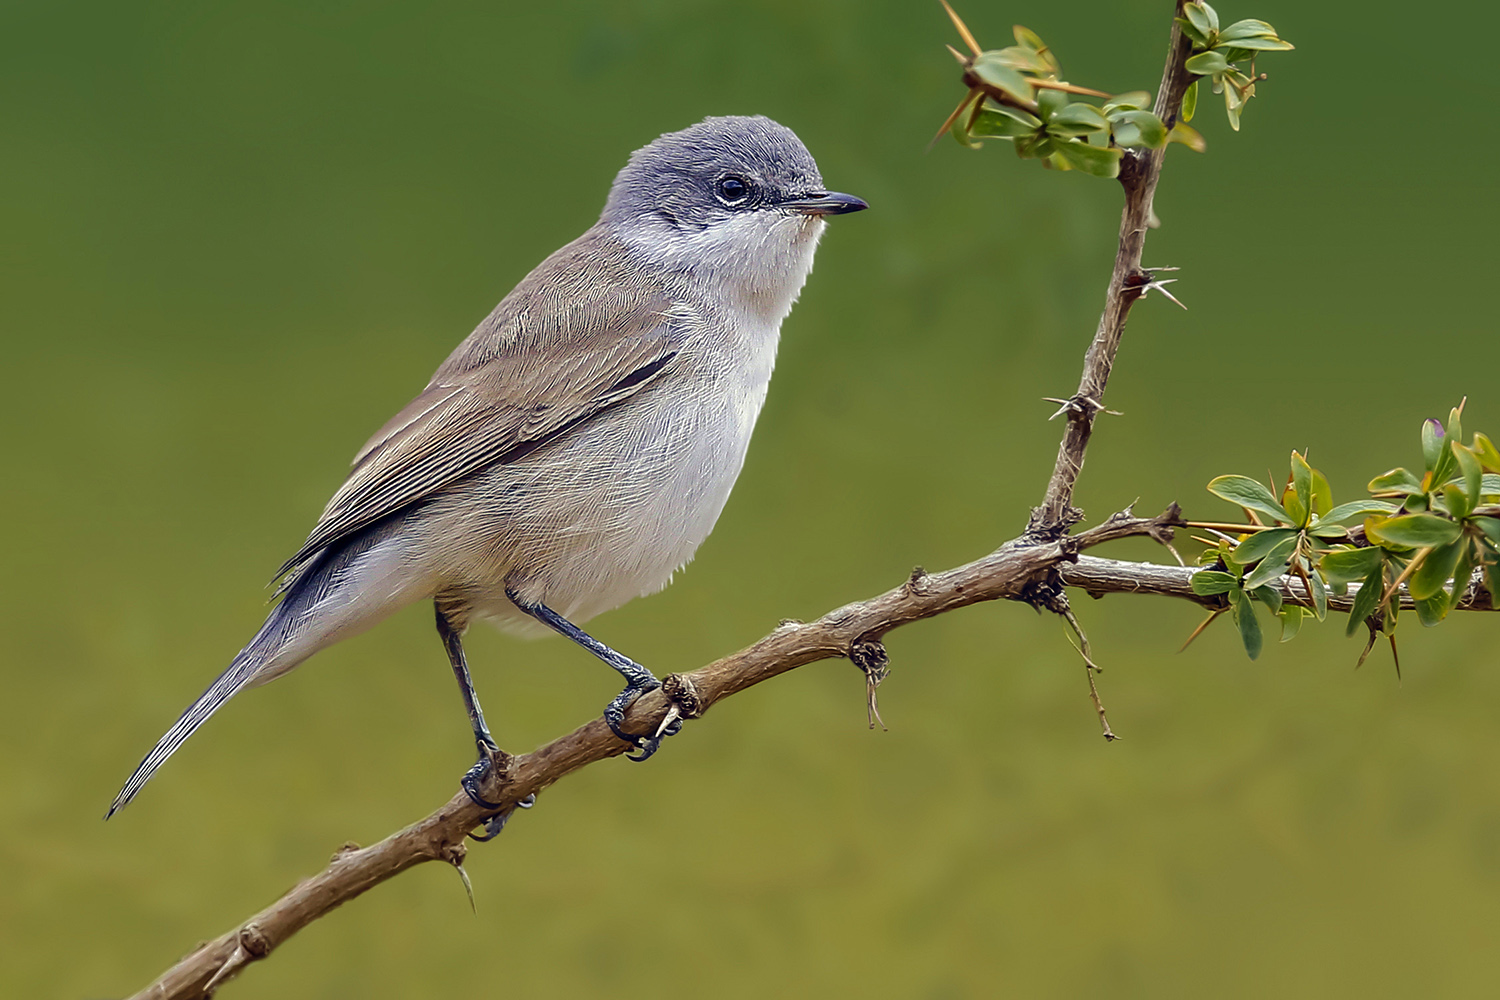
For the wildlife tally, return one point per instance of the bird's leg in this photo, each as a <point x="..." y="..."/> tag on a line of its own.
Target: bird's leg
<point x="474" y="778"/>
<point x="638" y="680"/>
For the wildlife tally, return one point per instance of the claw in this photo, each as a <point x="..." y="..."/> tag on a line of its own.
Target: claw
<point x="475" y="776"/>
<point x="496" y="823"/>
<point x="647" y="746"/>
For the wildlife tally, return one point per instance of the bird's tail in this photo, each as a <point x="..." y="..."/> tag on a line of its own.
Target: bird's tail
<point x="248" y="667"/>
<point x="338" y="594"/>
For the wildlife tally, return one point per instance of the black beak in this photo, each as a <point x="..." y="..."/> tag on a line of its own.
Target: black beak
<point x="827" y="203"/>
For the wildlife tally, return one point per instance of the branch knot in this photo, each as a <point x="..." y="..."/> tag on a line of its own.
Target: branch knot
<point x="679" y="690"/>
<point x="869" y="654"/>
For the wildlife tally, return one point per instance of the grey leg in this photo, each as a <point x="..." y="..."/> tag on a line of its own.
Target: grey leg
<point x="473" y="779"/>
<point x="638" y="680"/>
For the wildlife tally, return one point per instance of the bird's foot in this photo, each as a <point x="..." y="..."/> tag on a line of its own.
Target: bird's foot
<point x="614" y="717"/>
<point x="491" y="759"/>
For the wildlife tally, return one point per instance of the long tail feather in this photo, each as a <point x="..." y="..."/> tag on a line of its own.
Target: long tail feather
<point x="253" y="665"/>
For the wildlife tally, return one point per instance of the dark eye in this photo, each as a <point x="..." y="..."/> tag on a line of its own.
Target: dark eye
<point x="733" y="190"/>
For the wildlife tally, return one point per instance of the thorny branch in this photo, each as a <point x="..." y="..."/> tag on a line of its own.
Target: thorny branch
<point x="1139" y="172"/>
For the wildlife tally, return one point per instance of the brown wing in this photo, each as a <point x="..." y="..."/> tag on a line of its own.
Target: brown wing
<point x="496" y="411"/>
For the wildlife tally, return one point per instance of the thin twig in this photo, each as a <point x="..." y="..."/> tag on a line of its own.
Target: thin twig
<point x="1139" y="172"/>
<point x="1090" y="668"/>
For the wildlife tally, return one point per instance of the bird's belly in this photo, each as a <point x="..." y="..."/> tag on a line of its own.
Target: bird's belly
<point x="604" y="515"/>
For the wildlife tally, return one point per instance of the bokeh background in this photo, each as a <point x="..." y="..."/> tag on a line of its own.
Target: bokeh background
<point x="234" y="238"/>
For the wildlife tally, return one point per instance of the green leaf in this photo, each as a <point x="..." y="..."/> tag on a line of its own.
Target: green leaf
<point x="1473" y="479"/>
<point x="1259" y="545"/>
<point x="959" y="126"/>
<point x="1027" y="38"/>
<point x="1490" y="558"/>
<point x="1431" y="610"/>
<point x="998" y="121"/>
<point x="1260" y="45"/>
<point x="1250" y="494"/>
<point x="1243" y="610"/>
<point x="1397" y="482"/>
<point x="1294" y="506"/>
<point x="1491" y="527"/>
<point x="1455" y="501"/>
<point x="1096" y="160"/>
<point x="1269" y="596"/>
<point x="1291" y="622"/>
<point x="1187" y="136"/>
<point x="1248" y="28"/>
<point x="1207" y="63"/>
<point x="1302" y="480"/>
<point x="1026" y="60"/>
<point x="1356" y="508"/>
<point x="1489" y="485"/>
<point x="1347" y="565"/>
<point x="1489" y="455"/>
<point x="1149" y="130"/>
<point x="1462" y="573"/>
<point x="1432" y="442"/>
<point x="1131" y="100"/>
<point x="1412" y="531"/>
<point x="1455" y="430"/>
<point x="1320" y="597"/>
<point x="1366" y="598"/>
<point x="1198" y="38"/>
<point x="1436" y="569"/>
<point x="1268" y="570"/>
<point x="1032" y="145"/>
<point x="1204" y="17"/>
<point x="1322" y="494"/>
<point x="991" y="70"/>
<point x="1050" y="102"/>
<point x="1078" y="118"/>
<point x="1207" y="582"/>
<point x="1190" y="103"/>
<point x="1232" y="109"/>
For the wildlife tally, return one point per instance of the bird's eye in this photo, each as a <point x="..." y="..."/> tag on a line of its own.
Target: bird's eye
<point x="733" y="190"/>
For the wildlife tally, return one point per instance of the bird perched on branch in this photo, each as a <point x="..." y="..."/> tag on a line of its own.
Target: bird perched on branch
<point x="577" y="448"/>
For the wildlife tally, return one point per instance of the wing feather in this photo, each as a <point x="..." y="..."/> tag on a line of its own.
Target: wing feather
<point x="496" y="411"/>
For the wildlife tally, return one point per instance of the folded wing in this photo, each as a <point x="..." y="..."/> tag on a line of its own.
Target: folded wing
<point x="498" y="411"/>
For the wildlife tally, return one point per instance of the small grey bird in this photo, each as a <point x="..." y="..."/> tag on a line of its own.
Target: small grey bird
<point x="578" y="447"/>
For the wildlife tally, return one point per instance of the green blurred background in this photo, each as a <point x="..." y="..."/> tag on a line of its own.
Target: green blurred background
<point x="234" y="238"/>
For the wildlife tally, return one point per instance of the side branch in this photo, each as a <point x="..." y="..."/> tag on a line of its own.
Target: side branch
<point x="1139" y="172"/>
<point x="1098" y="577"/>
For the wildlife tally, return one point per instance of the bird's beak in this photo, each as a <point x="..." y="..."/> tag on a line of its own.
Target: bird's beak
<point x="827" y="203"/>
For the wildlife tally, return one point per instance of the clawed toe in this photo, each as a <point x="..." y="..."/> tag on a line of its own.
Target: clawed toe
<point x="495" y="825"/>
<point x="614" y="717"/>
<point x="475" y="777"/>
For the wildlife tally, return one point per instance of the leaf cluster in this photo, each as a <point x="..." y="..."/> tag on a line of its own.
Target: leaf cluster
<point x="1430" y="532"/>
<point x="1217" y="53"/>
<point x="1017" y="94"/>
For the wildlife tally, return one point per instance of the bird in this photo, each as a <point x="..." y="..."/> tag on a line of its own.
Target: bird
<point x="575" y="450"/>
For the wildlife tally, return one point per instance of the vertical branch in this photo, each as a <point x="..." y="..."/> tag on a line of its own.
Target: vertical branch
<point x="1139" y="171"/>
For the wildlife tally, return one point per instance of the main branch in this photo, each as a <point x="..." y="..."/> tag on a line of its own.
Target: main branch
<point x="852" y="629"/>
